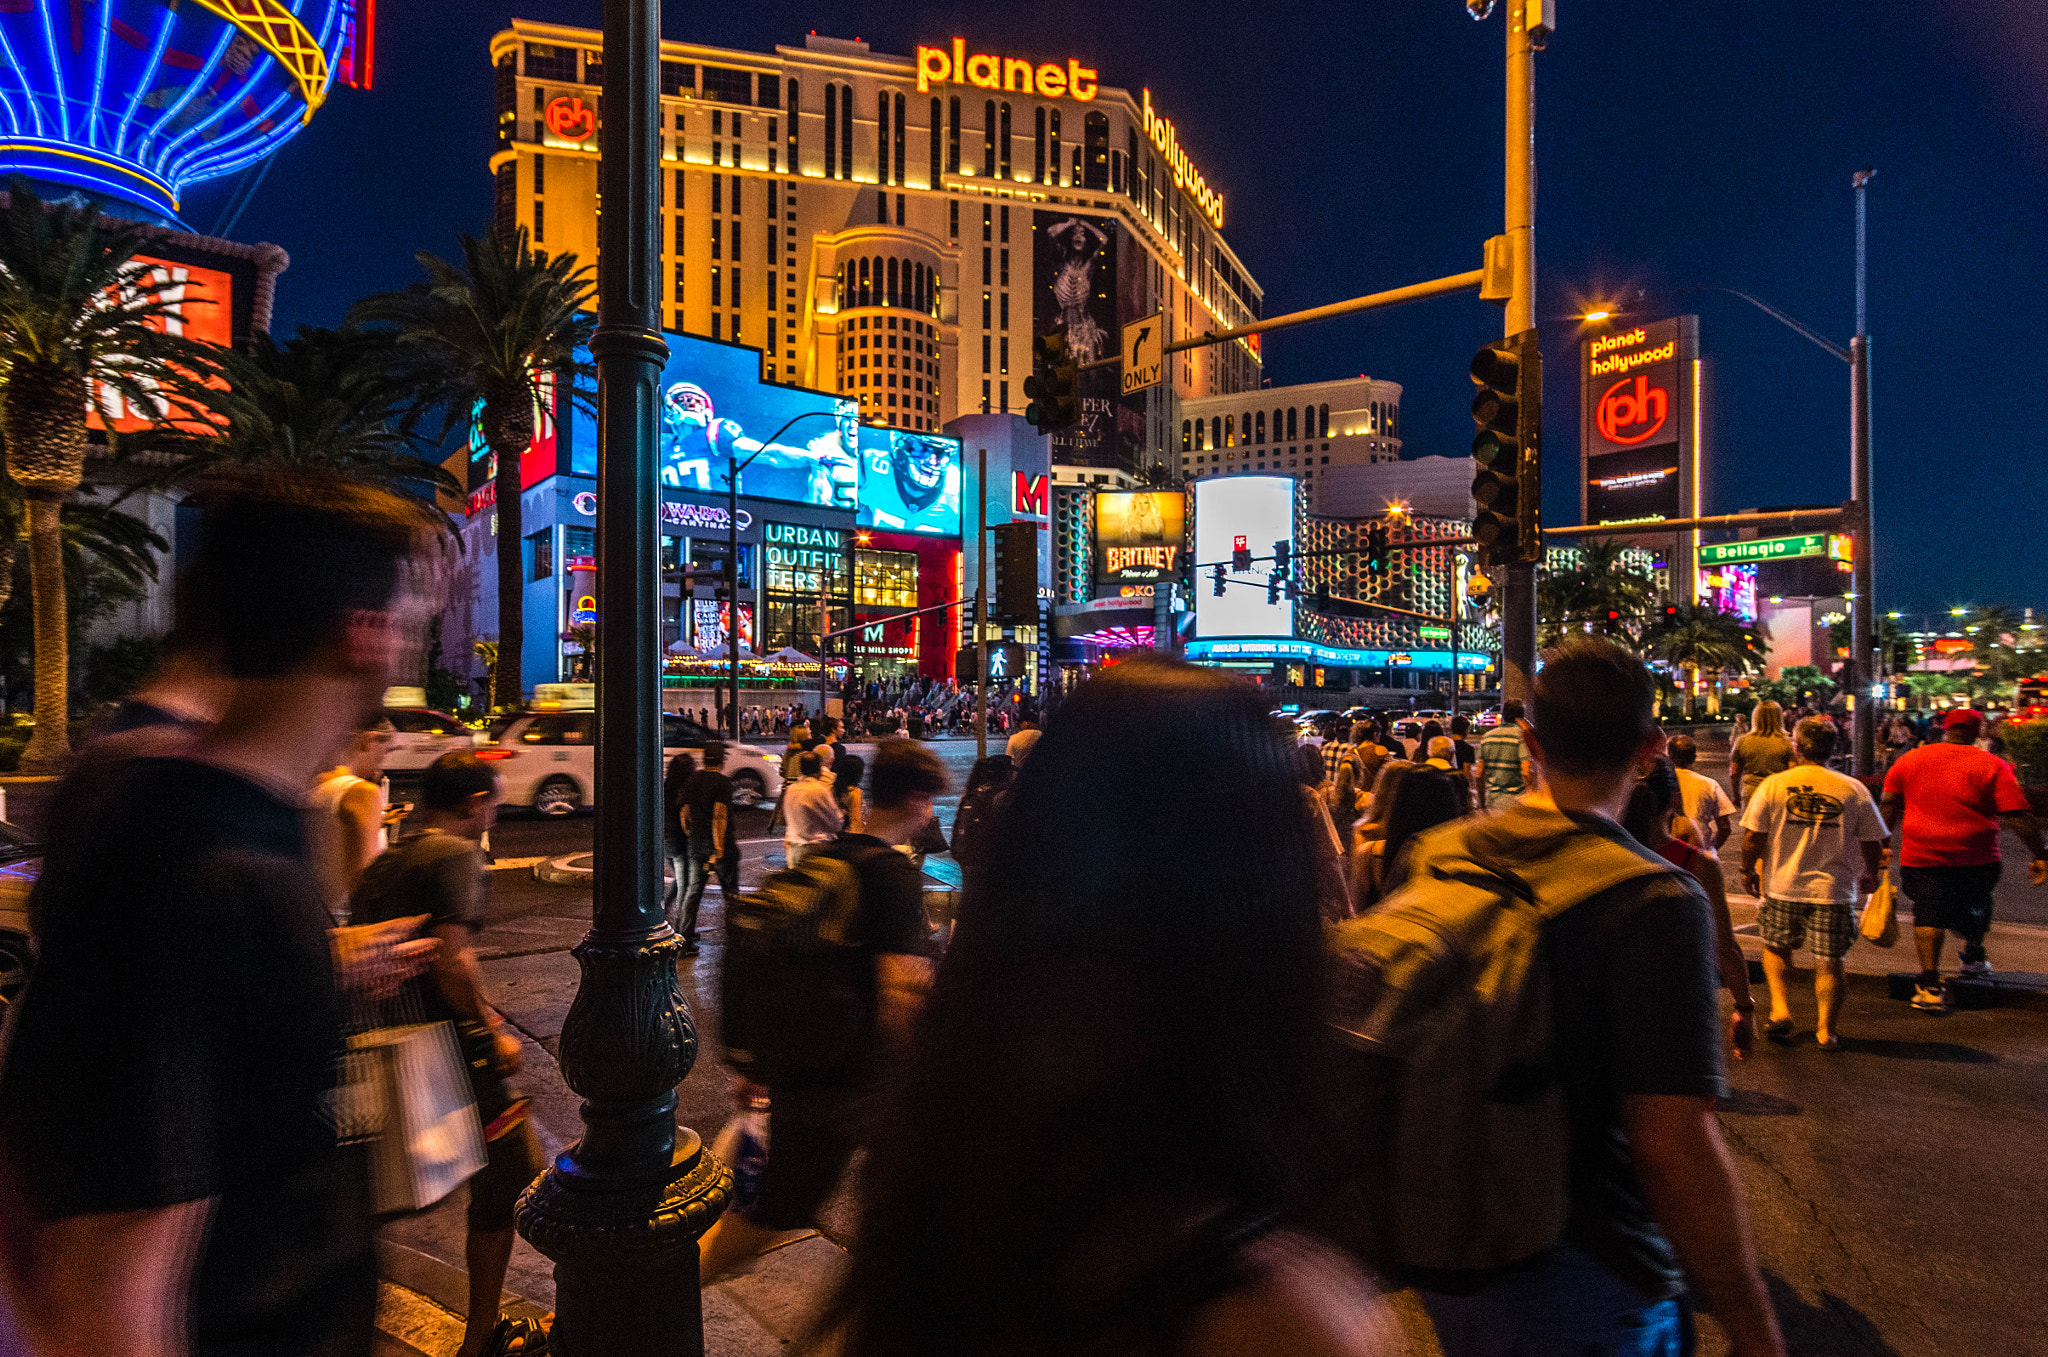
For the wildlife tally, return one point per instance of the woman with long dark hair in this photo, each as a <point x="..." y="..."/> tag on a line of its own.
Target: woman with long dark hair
<point x="1420" y="798"/>
<point x="674" y="840"/>
<point x="1114" y="1104"/>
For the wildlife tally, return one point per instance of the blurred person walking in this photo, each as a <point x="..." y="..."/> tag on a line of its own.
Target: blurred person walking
<point x="1652" y="807"/>
<point x="1814" y="839"/>
<point x="1421" y="799"/>
<point x="1703" y="800"/>
<point x="1759" y="754"/>
<point x="847" y="771"/>
<point x="173" y="1176"/>
<point x="437" y="869"/>
<point x="1948" y="800"/>
<point x="349" y="821"/>
<point x="822" y="1030"/>
<point x="813" y="817"/>
<point x="711" y="839"/>
<point x="1139" y="989"/>
<point x="1548" y="1187"/>
<point x="1503" y="763"/>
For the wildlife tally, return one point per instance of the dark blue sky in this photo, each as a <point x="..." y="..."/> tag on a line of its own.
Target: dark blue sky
<point x="1677" y="145"/>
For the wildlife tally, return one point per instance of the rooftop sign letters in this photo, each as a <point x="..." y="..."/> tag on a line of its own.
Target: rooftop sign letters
<point x="1185" y="176"/>
<point x="983" y="70"/>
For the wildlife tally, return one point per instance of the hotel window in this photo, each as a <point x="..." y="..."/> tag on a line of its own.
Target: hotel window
<point x="1005" y="275"/>
<point x="846" y="131"/>
<point x="953" y="137"/>
<point x="984" y="354"/>
<point x="1276" y="424"/>
<point x="716" y="282"/>
<point x="988" y="139"/>
<point x="881" y="207"/>
<point x="1290" y="423"/>
<point x="679" y="190"/>
<point x="677" y="76"/>
<point x="987" y="222"/>
<point x="932" y="137"/>
<point x="795" y="117"/>
<point x="1215" y="432"/>
<point x="831" y="131"/>
<point x="550" y="63"/>
<point x="902" y="141"/>
<point x="1003" y="390"/>
<point x="1003" y="356"/>
<point x="1052" y="126"/>
<point x="1229" y="424"/>
<point x="540" y="232"/>
<point x="679" y="282"/>
<point x="1324" y="416"/>
<point x="736" y="182"/>
<point x="1260" y="435"/>
<point x="885" y="579"/>
<point x="1003" y="135"/>
<point x="718" y="193"/>
<point x="543" y="553"/>
<point x="1187" y="440"/>
<point x="882" y="143"/>
<point x="1006" y="226"/>
<point x="953" y="219"/>
<point x="984" y="311"/>
<point x="679" y="232"/>
<point x="1006" y="311"/>
<point x="986" y="255"/>
<point x="984" y="396"/>
<point x="1038" y="147"/>
<point x="716" y="241"/>
<point x="715" y="317"/>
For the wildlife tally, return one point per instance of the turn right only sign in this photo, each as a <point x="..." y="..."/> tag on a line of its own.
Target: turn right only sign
<point x="1143" y="343"/>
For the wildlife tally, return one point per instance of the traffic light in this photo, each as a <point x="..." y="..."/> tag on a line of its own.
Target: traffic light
<point x="1322" y="598"/>
<point x="1051" y="383"/>
<point x="1240" y="555"/>
<point x="1014" y="563"/>
<point x="1283" y="557"/>
<point x="1507" y="454"/>
<point x="1272" y="590"/>
<point x="1902" y="656"/>
<point x="1377" y="553"/>
<point x="1219" y="581"/>
<point x="1671" y="612"/>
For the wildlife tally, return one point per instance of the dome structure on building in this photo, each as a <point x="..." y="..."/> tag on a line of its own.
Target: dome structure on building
<point x="135" y="100"/>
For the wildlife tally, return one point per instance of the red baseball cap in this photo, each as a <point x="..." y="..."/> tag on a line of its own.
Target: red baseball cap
<point x="1974" y="720"/>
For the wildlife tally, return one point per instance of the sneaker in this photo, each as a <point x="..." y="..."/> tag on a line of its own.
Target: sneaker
<point x="1980" y="969"/>
<point x="1930" y="998"/>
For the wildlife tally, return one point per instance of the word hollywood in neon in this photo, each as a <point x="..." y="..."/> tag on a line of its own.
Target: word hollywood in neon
<point x="1185" y="176"/>
<point x="983" y="70"/>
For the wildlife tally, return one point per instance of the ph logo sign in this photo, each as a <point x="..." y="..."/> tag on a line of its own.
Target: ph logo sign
<point x="1632" y="411"/>
<point x="571" y="119"/>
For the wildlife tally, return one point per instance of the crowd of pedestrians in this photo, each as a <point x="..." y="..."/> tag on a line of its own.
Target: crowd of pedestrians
<point x="1232" y="1045"/>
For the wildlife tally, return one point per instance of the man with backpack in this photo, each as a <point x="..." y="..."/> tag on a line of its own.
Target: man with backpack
<point x="1536" y="1050"/>
<point x="826" y="968"/>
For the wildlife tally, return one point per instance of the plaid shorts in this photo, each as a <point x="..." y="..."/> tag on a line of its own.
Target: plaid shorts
<point x="1784" y="925"/>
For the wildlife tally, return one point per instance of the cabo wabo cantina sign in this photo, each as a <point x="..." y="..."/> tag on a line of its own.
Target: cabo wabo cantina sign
<point x="955" y="65"/>
<point x="1635" y="422"/>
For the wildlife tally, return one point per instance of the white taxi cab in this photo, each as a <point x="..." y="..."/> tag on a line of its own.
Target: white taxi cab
<point x="546" y="757"/>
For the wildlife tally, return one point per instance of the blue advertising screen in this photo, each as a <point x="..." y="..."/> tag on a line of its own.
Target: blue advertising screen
<point x="715" y="407"/>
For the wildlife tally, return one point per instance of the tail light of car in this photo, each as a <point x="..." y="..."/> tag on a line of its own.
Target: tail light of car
<point x="495" y="754"/>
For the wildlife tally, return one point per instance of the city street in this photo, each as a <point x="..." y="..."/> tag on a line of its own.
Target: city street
<point x="1879" y="1180"/>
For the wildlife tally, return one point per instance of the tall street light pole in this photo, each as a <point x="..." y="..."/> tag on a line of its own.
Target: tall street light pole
<point x="1862" y="666"/>
<point x="1518" y="581"/>
<point x="621" y="1210"/>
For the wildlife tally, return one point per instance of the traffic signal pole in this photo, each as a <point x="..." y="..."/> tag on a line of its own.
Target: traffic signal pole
<point x="981" y="609"/>
<point x="1518" y="580"/>
<point x="1862" y="667"/>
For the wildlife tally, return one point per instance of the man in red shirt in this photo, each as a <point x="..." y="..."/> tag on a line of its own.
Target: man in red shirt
<point x="1947" y="800"/>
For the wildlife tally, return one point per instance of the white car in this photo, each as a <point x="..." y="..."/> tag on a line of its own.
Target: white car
<point x="421" y="735"/>
<point x="546" y="760"/>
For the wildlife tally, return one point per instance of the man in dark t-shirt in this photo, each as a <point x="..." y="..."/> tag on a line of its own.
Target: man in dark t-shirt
<point x="815" y="1128"/>
<point x="712" y="845"/>
<point x="167" y="1111"/>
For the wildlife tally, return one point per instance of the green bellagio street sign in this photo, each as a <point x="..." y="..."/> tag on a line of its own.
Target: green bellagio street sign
<point x="1766" y="549"/>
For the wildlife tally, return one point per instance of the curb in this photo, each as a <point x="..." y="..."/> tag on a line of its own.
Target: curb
<point x="571" y="869"/>
<point x="1897" y="986"/>
<point x="421" y="1300"/>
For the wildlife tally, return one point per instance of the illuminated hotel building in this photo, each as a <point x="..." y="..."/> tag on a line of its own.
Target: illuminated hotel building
<point x="897" y="228"/>
<point x="1312" y="432"/>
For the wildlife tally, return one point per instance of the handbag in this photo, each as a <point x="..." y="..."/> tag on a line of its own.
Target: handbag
<point x="406" y="1093"/>
<point x="1880" y="923"/>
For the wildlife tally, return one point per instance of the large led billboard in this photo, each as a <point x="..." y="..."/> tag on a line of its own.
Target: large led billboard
<point x="1253" y="512"/>
<point x="715" y="409"/>
<point x="1138" y="535"/>
<point x="1636" y="420"/>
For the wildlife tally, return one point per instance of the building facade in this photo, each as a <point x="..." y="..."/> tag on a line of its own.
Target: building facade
<point x="1310" y="432"/>
<point x="898" y="229"/>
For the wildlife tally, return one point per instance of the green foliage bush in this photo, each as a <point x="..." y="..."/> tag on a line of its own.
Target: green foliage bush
<point x="2026" y="743"/>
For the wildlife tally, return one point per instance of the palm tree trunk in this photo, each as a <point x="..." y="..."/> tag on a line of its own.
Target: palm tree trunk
<point x="50" y="747"/>
<point x="1692" y="688"/>
<point x="507" y="688"/>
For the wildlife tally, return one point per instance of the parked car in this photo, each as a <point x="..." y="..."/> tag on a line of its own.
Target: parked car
<point x="20" y="860"/>
<point x="546" y="759"/>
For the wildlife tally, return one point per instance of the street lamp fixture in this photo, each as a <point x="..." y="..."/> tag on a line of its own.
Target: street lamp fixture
<point x="1596" y="315"/>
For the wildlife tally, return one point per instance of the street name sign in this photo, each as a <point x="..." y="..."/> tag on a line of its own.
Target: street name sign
<point x="1766" y="549"/>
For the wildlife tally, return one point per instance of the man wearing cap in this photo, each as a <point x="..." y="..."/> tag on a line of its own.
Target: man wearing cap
<point x="1947" y="800"/>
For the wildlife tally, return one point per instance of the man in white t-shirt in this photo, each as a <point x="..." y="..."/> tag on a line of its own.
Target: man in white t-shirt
<point x="1815" y="838"/>
<point x="1706" y="803"/>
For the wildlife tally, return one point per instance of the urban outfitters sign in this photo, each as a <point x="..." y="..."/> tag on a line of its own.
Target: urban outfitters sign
<point x="801" y="559"/>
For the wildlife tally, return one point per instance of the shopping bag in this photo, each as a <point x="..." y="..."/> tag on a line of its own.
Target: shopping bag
<point x="1880" y="922"/>
<point x="743" y="1147"/>
<point x="408" y="1094"/>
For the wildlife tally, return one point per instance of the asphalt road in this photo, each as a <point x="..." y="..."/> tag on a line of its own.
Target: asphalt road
<point x="1895" y="1188"/>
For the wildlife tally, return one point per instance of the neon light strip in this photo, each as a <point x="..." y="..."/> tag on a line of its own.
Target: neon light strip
<point x="13" y="118"/>
<point x="1696" y="478"/>
<point x="279" y="32"/>
<point x="200" y="166"/>
<point x="147" y="81"/>
<point x="157" y="187"/>
<point x="56" y="70"/>
<point x="7" y="51"/>
<point x="169" y="117"/>
<point x="99" y="76"/>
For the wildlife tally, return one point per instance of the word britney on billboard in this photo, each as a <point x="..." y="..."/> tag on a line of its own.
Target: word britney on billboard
<point x="1116" y="560"/>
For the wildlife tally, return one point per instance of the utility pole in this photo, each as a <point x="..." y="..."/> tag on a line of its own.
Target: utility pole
<point x="1518" y="580"/>
<point x="621" y="1209"/>
<point x="981" y="609"/>
<point x="1861" y="669"/>
<point x="1457" y="607"/>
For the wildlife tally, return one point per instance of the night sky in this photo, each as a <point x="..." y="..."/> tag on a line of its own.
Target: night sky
<point x="1677" y="145"/>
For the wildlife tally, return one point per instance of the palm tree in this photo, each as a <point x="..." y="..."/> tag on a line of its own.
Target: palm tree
<point x="80" y="321"/>
<point x="483" y="336"/>
<point x="1602" y="593"/>
<point x="1701" y="636"/>
<point x="325" y="398"/>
